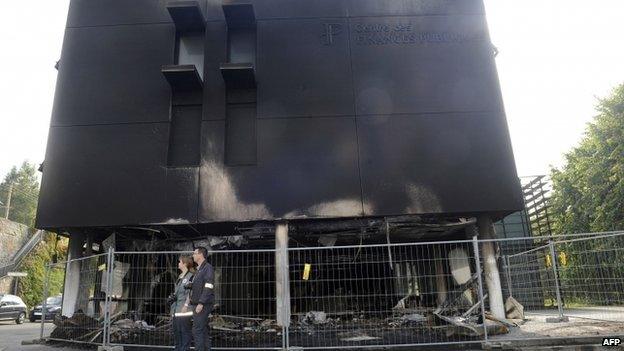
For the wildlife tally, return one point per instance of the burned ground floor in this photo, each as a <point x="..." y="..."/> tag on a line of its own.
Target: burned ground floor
<point x="386" y="282"/>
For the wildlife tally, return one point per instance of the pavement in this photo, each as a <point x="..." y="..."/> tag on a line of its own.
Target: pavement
<point x="584" y="330"/>
<point x="12" y="335"/>
<point x="582" y="322"/>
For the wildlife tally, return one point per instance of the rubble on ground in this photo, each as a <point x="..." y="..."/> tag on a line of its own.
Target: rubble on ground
<point x="126" y="329"/>
<point x="79" y="327"/>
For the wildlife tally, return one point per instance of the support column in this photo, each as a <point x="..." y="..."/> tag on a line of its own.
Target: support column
<point x="508" y="275"/>
<point x="72" y="274"/>
<point x="441" y="289"/>
<point x="89" y="245"/>
<point x="490" y="267"/>
<point x="282" y="279"/>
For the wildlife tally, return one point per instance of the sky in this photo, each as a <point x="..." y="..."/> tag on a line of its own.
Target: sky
<point x="31" y="35"/>
<point x="556" y="57"/>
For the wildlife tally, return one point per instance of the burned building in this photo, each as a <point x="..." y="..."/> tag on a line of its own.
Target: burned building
<point x="342" y="121"/>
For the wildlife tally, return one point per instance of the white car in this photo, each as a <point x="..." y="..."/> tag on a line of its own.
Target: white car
<point x="12" y="308"/>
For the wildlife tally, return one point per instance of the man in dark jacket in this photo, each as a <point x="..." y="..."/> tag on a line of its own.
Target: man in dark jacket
<point x="202" y="299"/>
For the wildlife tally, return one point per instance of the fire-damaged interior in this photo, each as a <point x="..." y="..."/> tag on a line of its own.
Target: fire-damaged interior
<point x="348" y="280"/>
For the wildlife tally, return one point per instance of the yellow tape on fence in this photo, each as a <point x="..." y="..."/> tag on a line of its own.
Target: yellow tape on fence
<point x="306" y="271"/>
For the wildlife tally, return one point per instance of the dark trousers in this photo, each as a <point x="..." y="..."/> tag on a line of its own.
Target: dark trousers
<point x="182" y="333"/>
<point x="201" y="329"/>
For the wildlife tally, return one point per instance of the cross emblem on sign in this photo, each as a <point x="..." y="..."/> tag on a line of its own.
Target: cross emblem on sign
<point x="330" y="30"/>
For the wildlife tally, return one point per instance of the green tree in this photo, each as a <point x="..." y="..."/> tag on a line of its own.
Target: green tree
<point x="32" y="286"/>
<point x="23" y="184"/>
<point x="24" y="187"/>
<point x="588" y="196"/>
<point x="588" y="191"/>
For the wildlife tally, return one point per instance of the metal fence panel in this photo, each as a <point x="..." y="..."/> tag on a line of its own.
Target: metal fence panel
<point x="244" y="314"/>
<point x="383" y="295"/>
<point x="85" y="305"/>
<point x="591" y="273"/>
<point x="44" y="313"/>
<point x="360" y="296"/>
<point x="531" y="277"/>
<point x="569" y="287"/>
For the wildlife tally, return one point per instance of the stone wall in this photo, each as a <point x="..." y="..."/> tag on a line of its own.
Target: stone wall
<point x="6" y="285"/>
<point x="12" y="237"/>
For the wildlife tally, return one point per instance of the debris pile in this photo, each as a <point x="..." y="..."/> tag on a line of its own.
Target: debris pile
<point x="241" y="324"/>
<point x="361" y="327"/>
<point x="236" y="330"/>
<point x="79" y="327"/>
<point x="468" y="321"/>
<point x="126" y="328"/>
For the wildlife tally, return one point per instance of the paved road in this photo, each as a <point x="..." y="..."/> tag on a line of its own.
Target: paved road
<point x="11" y="336"/>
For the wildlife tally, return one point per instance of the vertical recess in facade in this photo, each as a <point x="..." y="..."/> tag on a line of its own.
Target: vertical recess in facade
<point x="239" y="76"/>
<point x="186" y="80"/>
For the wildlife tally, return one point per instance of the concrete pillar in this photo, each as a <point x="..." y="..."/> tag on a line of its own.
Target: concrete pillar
<point x="441" y="289"/>
<point x="89" y="246"/>
<point x="282" y="279"/>
<point x="490" y="267"/>
<point x="72" y="274"/>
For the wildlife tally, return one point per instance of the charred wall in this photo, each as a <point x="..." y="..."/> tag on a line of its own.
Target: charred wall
<point x="360" y="108"/>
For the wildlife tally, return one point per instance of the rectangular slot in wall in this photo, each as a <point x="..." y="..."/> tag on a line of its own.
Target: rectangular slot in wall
<point x="191" y="51"/>
<point x="240" y="135"/>
<point x="242" y="45"/>
<point x="184" y="136"/>
<point x="239" y="77"/>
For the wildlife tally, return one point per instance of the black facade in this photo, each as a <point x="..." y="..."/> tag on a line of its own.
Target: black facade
<point x="293" y="109"/>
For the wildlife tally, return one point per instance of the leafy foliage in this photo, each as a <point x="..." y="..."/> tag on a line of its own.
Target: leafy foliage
<point x="32" y="286"/>
<point x="24" y="186"/>
<point x="588" y="191"/>
<point x="24" y="194"/>
<point x="588" y="196"/>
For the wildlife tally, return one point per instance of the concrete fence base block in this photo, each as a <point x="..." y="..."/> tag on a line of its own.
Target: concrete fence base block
<point x="33" y="342"/>
<point x="110" y="348"/>
<point x="557" y="319"/>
